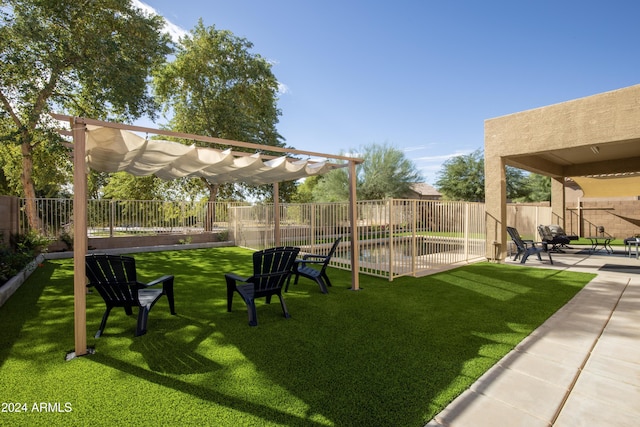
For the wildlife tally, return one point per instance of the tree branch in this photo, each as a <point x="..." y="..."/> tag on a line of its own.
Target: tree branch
<point x="7" y="106"/>
<point x="42" y="98"/>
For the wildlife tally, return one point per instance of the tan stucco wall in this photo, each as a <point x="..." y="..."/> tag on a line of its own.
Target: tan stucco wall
<point x="597" y="119"/>
<point x="496" y="214"/>
<point x="557" y="201"/>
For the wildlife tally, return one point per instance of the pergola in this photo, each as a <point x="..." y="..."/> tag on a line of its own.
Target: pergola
<point x="593" y="140"/>
<point x="113" y="147"/>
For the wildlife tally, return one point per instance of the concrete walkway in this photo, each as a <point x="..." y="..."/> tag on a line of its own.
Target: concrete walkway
<point x="580" y="368"/>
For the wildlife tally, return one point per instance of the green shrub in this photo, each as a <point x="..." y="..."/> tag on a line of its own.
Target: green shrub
<point x="185" y="241"/>
<point x="31" y="243"/>
<point x="11" y="263"/>
<point x="27" y="247"/>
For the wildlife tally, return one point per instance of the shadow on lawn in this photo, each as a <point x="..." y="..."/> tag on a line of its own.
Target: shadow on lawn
<point x="168" y="355"/>
<point x="349" y="361"/>
<point x="395" y="354"/>
<point x="175" y="346"/>
<point x="199" y="391"/>
<point x="21" y="308"/>
<point x="392" y="354"/>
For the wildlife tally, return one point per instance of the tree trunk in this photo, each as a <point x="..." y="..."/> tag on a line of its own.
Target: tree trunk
<point x="29" y="189"/>
<point x="211" y="207"/>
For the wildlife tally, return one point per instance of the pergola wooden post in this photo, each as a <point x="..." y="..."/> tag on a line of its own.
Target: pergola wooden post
<point x="79" y="236"/>
<point x="276" y="213"/>
<point x="353" y="220"/>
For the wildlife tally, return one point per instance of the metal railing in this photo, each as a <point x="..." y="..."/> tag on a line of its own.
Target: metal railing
<point x="396" y="237"/>
<point x="109" y="218"/>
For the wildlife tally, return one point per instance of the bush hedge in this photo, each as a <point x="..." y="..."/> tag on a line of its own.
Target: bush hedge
<point x="19" y="252"/>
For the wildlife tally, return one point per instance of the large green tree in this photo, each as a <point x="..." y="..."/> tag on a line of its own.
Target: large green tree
<point x="124" y="186"/>
<point x="462" y="178"/>
<point x="304" y="190"/>
<point x="217" y="87"/>
<point x="51" y="170"/>
<point x="385" y="173"/>
<point x="81" y="57"/>
<point x="332" y="187"/>
<point x="537" y="188"/>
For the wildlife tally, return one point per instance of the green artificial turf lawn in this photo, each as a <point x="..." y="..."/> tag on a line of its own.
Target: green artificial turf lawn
<point x="393" y="354"/>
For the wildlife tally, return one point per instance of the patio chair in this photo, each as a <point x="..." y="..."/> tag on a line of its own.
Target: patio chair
<point x="547" y="238"/>
<point x="271" y="269"/>
<point x="303" y="267"/>
<point x="525" y="249"/>
<point x="525" y="242"/>
<point x="114" y="277"/>
<point x="557" y="231"/>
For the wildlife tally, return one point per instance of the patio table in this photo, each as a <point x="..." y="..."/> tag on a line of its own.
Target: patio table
<point x="603" y="241"/>
<point x="629" y="242"/>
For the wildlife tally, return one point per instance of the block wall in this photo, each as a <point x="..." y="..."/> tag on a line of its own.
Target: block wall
<point x="8" y="217"/>
<point x="620" y="218"/>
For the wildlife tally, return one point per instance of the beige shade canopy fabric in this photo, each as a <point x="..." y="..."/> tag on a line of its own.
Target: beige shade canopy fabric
<point x="613" y="185"/>
<point x="114" y="150"/>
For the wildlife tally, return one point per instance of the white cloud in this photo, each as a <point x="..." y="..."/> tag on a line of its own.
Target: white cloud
<point x="282" y="88"/>
<point x="443" y="157"/>
<point x="415" y="148"/>
<point x="170" y="28"/>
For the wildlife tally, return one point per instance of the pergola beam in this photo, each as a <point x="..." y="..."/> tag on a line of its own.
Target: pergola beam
<point x="225" y="142"/>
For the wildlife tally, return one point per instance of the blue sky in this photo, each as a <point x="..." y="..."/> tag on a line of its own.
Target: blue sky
<point x="423" y="75"/>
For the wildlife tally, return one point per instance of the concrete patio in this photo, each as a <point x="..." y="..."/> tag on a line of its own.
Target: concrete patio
<point x="580" y="368"/>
